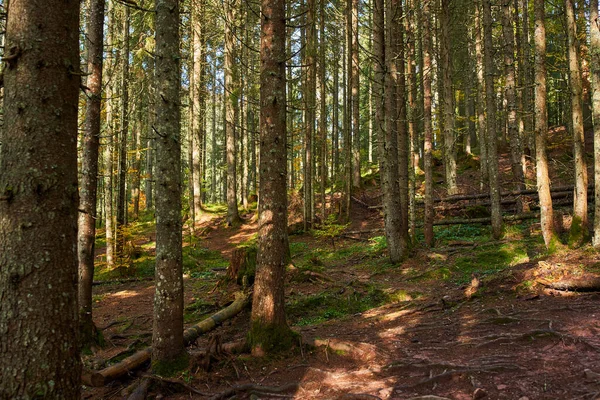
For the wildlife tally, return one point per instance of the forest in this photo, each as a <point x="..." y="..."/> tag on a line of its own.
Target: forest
<point x="360" y="199"/>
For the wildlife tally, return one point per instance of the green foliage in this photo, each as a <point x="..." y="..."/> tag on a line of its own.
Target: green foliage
<point x="330" y="229"/>
<point x="327" y="305"/>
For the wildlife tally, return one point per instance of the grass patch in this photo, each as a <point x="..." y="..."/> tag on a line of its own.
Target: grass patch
<point x="328" y="305"/>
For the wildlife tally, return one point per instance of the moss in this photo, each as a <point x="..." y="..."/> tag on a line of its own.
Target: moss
<point x="171" y="367"/>
<point x="271" y="338"/>
<point x="554" y="245"/>
<point x="578" y="233"/>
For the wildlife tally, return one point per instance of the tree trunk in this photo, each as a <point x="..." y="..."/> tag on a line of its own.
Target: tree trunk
<point x="595" y="72"/>
<point x="516" y="148"/>
<point x="122" y="174"/>
<point x="309" y="129"/>
<point x="89" y="169"/>
<point x="231" y="111"/>
<point x="269" y="330"/>
<point x="412" y="116"/>
<point x="448" y="101"/>
<point x="355" y="88"/>
<point x="481" y="118"/>
<point x="167" y="329"/>
<point x="427" y="124"/>
<point x="579" y="227"/>
<point x="39" y="340"/>
<point x="323" y="111"/>
<point x="541" y="127"/>
<point x="492" y="139"/>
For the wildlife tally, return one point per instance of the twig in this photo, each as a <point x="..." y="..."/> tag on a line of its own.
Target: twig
<point x="177" y="382"/>
<point x="256" y="388"/>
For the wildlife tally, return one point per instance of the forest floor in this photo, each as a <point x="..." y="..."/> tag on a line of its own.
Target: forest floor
<point x="470" y="318"/>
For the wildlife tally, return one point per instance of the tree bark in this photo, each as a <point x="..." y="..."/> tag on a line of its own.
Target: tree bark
<point x="516" y="148"/>
<point x="481" y="117"/>
<point x="89" y="169"/>
<point x="427" y="124"/>
<point x="448" y="100"/>
<point x="541" y="127"/>
<point x="492" y="140"/>
<point x="231" y="112"/>
<point x="309" y="130"/>
<point x="167" y="329"/>
<point x="595" y="72"/>
<point x="122" y="167"/>
<point x="355" y="91"/>
<point x="269" y="330"/>
<point x="39" y="340"/>
<point x="579" y="226"/>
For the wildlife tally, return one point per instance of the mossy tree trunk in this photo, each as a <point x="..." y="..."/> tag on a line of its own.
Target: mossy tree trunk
<point x="427" y="123"/>
<point x="541" y="127"/>
<point x="167" y="333"/>
<point x="490" y="101"/>
<point x="595" y="71"/>
<point x="39" y="341"/>
<point x="579" y="226"/>
<point x="269" y="330"/>
<point x="89" y="168"/>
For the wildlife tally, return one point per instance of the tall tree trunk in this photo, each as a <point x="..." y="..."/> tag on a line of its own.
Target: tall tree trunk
<point x="427" y="123"/>
<point x="516" y="148"/>
<point x="269" y="329"/>
<point x="323" y="111"/>
<point x="595" y="72"/>
<point x="541" y="127"/>
<point x="137" y="162"/>
<point x="579" y="226"/>
<point x="412" y="115"/>
<point x="198" y="103"/>
<point x="149" y="187"/>
<point x="448" y="101"/>
<point x="112" y="61"/>
<point x="122" y="168"/>
<point x="39" y="340"/>
<point x="527" y="113"/>
<point x="347" y="74"/>
<point x="213" y="146"/>
<point x="309" y="130"/>
<point x="167" y="329"/>
<point x="492" y="139"/>
<point x="89" y="169"/>
<point x="355" y="88"/>
<point x="385" y="50"/>
<point x="231" y="111"/>
<point x="481" y="118"/>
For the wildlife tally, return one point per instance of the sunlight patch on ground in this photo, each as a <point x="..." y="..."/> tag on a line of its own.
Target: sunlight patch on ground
<point x="362" y="381"/>
<point x="124" y="294"/>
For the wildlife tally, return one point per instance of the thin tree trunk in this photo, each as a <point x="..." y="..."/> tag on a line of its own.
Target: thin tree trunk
<point x="481" y="118"/>
<point x="167" y="329"/>
<point x="412" y="116"/>
<point x="309" y="129"/>
<point x="39" y="340"/>
<point x="492" y="139"/>
<point x="231" y="111"/>
<point x="198" y="104"/>
<point x="516" y="148"/>
<point x="323" y="111"/>
<point x="541" y="127"/>
<point x="427" y="124"/>
<point x="595" y="72"/>
<point x="579" y="226"/>
<point x="355" y="88"/>
<point x="448" y="101"/>
<point x="122" y="167"/>
<point x="89" y="169"/>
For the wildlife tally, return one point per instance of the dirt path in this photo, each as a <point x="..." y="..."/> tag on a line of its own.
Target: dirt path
<point x="437" y="340"/>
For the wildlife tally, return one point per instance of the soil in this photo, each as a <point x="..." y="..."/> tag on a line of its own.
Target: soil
<point x="508" y="337"/>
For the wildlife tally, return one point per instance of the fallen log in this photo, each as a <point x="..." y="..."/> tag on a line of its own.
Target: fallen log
<point x="589" y="284"/>
<point x="484" y="220"/>
<point x="100" y="378"/>
<point x="121" y="281"/>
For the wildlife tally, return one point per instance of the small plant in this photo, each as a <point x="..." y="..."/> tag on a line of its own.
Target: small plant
<point x="330" y="229"/>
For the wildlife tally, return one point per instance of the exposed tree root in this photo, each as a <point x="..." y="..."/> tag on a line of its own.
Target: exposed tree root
<point x="358" y="350"/>
<point x="447" y="375"/>
<point x="589" y="284"/>
<point x="141" y="391"/>
<point x="251" y="387"/>
<point x="176" y="382"/>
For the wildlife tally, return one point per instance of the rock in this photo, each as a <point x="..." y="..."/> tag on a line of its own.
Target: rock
<point x="524" y="398"/>
<point x="501" y="387"/>
<point x="479" y="393"/>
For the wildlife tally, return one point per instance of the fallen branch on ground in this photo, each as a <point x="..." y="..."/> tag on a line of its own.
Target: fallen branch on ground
<point x="590" y="284"/>
<point x="251" y="387"/>
<point x="100" y="378"/>
<point x="176" y="382"/>
<point x="121" y="281"/>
